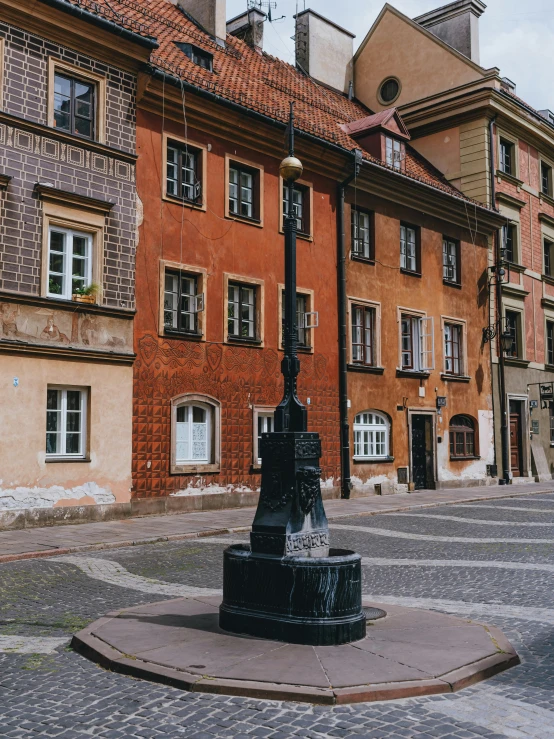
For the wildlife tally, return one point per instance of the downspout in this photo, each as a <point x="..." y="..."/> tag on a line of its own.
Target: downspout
<point x="493" y="205"/>
<point x="504" y="433"/>
<point x="346" y="483"/>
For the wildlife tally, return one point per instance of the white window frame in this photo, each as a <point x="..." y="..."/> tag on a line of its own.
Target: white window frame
<point x="423" y="342"/>
<point x="406" y="255"/>
<point x="360" y="234"/>
<point x="448" y="324"/>
<point x="189" y="425"/>
<point x="67" y="276"/>
<point x="371" y="429"/>
<point x="259" y="412"/>
<point x="62" y="453"/>
<point x="451" y="259"/>
<point x="213" y="421"/>
<point x="393" y="153"/>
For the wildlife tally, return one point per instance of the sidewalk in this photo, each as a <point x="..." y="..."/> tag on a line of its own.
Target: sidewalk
<point x="52" y="540"/>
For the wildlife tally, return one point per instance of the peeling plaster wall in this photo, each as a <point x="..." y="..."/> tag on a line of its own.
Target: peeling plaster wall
<point x="27" y="480"/>
<point x="474" y="470"/>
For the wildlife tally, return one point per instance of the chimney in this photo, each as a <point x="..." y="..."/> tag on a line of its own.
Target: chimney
<point x="324" y="50"/>
<point x="209" y="14"/>
<point x="249" y="26"/>
<point x="457" y="24"/>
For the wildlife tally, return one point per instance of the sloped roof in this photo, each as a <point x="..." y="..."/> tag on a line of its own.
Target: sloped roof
<point x="388" y="119"/>
<point x="256" y="81"/>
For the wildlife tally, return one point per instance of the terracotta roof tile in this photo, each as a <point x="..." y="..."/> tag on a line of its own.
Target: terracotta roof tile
<point x="257" y="81"/>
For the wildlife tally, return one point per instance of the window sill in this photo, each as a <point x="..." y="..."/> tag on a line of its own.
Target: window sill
<point x="410" y="272"/>
<point x="463" y="459"/>
<point x="244" y="219"/>
<point x="372" y="460"/>
<point x="49" y="303"/>
<point x="182" y="335"/>
<point x="417" y="374"/>
<point x="187" y="203"/>
<point x="193" y="469"/>
<point x="549" y="279"/>
<point x="547" y="196"/>
<point x="509" y="177"/>
<point x="299" y="234"/>
<point x="449" y="283"/>
<point x="358" y="258"/>
<point x="353" y="367"/>
<point x="549" y="367"/>
<point x="454" y="378"/>
<point x="65" y="460"/>
<point x="515" y="362"/>
<point x="514" y="266"/>
<point x="245" y="342"/>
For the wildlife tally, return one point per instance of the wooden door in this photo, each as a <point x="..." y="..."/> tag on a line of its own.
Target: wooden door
<point x="515" y="445"/>
<point x="423" y="464"/>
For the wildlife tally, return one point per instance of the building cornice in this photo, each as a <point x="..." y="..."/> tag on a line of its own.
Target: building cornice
<point x="57" y="195"/>
<point x="546" y="218"/>
<point x="503" y="197"/>
<point x="65" y="353"/>
<point x="52" y="304"/>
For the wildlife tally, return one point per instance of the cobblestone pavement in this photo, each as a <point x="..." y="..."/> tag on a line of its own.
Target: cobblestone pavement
<point x="500" y="574"/>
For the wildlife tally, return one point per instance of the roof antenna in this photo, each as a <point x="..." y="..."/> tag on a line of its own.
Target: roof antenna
<point x="265" y="7"/>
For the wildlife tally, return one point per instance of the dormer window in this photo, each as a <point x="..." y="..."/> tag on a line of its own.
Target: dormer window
<point x="203" y="58"/>
<point x="393" y="153"/>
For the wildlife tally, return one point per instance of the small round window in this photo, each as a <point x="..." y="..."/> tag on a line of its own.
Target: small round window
<point x="389" y="90"/>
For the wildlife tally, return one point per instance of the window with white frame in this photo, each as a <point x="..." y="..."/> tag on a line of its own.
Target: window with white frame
<point x="450" y="260"/>
<point x="303" y="315"/>
<point x="409" y="248"/>
<point x="393" y="153"/>
<point x="363" y="335"/>
<point x="362" y="246"/>
<point x="546" y="179"/>
<point x="193" y="434"/>
<point x="243" y="192"/>
<point x="183" y="176"/>
<point x="241" y="311"/>
<point x="66" y="410"/>
<point x="265" y="425"/>
<point x="182" y="303"/>
<point x="371" y="435"/>
<point x="69" y="262"/>
<point x="513" y="327"/>
<point x="453" y="343"/>
<point x="300" y="206"/>
<point x="507" y="157"/>
<point x="509" y="242"/>
<point x="417" y="343"/>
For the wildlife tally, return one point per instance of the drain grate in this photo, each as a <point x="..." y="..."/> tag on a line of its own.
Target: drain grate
<point x="372" y="614"/>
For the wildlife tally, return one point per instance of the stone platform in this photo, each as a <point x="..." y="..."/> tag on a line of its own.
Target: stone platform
<point x="409" y="653"/>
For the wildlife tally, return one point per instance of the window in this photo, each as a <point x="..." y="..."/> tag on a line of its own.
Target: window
<point x="193" y="434"/>
<point x="393" y="153"/>
<point x="243" y="192"/>
<point x="302" y="320"/>
<point x="409" y="257"/>
<point x="417" y="343"/>
<point x="550" y="342"/>
<point x="509" y="240"/>
<point x="181" y="302"/>
<point x="265" y="425"/>
<point x="362" y="241"/>
<point x="363" y="339"/>
<point x="548" y="263"/>
<point x="301" y="207"/>
<point x="371" y="436"/>
<point x="389" y="90"/>
<point x="462" y="437"/>
<point x="513" y="327"/>
<point x="507" y="162"/>
<point x="203" y="58"/>
<point x="241" y="311"/>
<point x="74" y="105"/>
<point x="184" y="173"/>
<point x="66" y="422"/>
<point x="69" y="262"/>
<point x="451" y="261"/>
<point x="546" y="179"/>
<point x="453" y="336"/>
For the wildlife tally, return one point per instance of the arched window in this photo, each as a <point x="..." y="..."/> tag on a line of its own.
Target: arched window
<point x="371" y="435"/>
<point x="195" y="445"/>
<point x="462" y="437"/>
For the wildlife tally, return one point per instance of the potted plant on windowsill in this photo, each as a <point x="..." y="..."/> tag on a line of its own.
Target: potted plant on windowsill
<point x="86" y="294"/>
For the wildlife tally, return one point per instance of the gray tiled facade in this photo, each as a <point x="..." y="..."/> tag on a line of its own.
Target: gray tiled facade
<point x="32" y="155"/>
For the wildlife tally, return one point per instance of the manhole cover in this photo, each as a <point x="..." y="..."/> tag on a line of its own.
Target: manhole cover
<point x="372" y="614"/>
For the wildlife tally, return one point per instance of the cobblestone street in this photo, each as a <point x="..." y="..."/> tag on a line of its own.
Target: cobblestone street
<point x="490" y="561"/>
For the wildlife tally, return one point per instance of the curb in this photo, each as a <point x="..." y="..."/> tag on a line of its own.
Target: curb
<point x="5" y="558"/>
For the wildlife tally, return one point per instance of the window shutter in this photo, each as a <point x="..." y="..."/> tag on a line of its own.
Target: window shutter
<point x="427" y="344"/>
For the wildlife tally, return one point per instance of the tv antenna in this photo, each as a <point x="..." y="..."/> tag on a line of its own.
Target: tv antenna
<point x="265" y="6"/>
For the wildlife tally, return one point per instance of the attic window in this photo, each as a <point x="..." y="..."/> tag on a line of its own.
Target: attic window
<point x="389" y="90"/>
<point x="203" y="58"/>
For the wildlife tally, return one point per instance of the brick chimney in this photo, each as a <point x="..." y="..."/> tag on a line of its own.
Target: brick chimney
<point x="249" y="26"/>
<point x="457" y="24"/>
<point x="324" y="50"/>
<point x="210" y="14"/>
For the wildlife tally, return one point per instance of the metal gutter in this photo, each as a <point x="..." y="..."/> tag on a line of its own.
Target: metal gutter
<point x="149" y="42"/>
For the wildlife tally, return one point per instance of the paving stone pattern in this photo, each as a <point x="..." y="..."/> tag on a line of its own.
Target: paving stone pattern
<point x="61" y="694"/>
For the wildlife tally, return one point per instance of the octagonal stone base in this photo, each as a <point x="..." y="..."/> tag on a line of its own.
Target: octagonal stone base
<point x="409" y="653"/>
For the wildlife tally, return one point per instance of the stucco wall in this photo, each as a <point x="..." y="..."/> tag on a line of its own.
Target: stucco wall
<point x="26" y="479"/>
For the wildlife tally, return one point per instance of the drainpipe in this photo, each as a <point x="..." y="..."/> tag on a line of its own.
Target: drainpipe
<point x="346" y="483"/>
<point x="504" y="432"/>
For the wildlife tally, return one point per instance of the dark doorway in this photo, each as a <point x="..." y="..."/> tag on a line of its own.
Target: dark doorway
<point x="423" y="464"/>
<point x="516" y="427"/>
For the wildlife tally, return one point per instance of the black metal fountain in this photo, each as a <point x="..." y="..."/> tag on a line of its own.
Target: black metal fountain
<point x="288" y="584"/>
